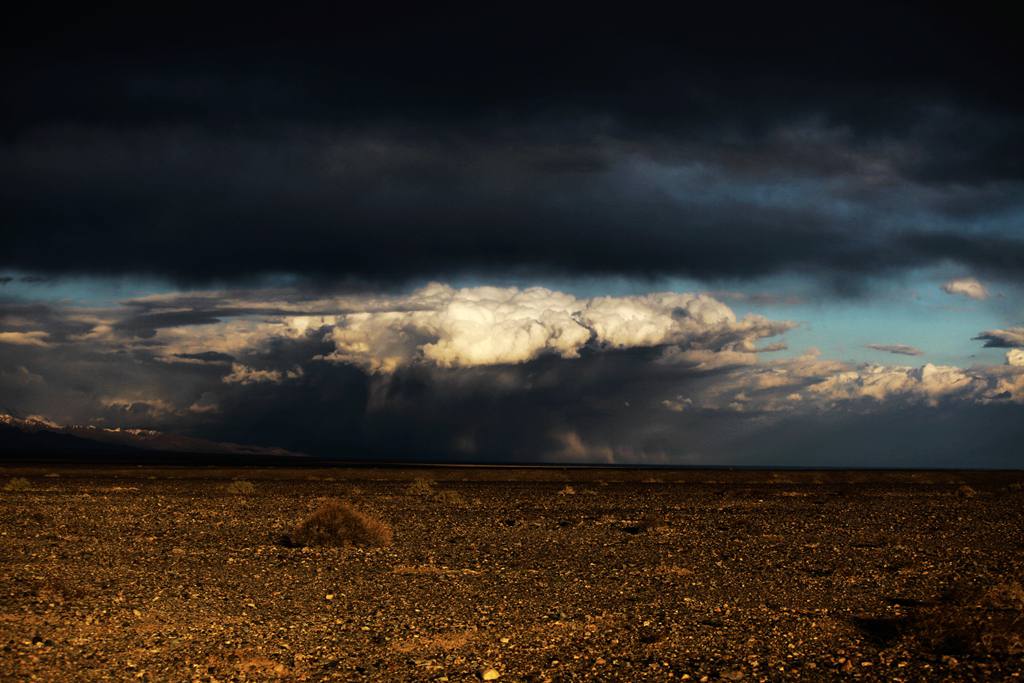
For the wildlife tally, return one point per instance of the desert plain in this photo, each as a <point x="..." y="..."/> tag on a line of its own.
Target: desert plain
<point x="511" y="574"/>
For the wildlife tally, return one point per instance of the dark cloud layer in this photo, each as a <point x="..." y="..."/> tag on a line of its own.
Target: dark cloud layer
<point x="220" y="144"/>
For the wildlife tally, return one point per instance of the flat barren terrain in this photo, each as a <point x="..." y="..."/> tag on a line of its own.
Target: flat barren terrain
<point x="511" y="574"/>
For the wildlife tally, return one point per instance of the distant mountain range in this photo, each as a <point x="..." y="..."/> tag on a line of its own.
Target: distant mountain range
<point x="33" y="438"/>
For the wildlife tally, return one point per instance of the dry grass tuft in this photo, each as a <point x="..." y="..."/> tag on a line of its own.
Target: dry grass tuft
<point x="240" y="487"/>
<point x="450" y="497"/>
<point x="420" y="487"/>
<point x="18" y="484"/>
<point x="966" y="491"/>
<point x="335" y="523"/>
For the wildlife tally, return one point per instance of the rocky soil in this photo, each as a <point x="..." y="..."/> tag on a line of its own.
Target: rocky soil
<point x="512" y="575"/>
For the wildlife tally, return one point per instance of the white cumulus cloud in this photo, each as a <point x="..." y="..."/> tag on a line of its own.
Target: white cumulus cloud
<point x="478" y="326"/>
<point x="966" y="286"/>
<point x="809" y="382"/>
<point x="929" y="383"/>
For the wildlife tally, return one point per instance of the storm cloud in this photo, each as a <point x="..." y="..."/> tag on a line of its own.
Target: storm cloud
<point x="476" y="374"/>
<point x="389" y="149"/>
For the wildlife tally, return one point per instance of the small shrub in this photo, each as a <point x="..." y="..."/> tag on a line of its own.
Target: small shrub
<point x="240" y="487"/>
<point x="17" y="484"/>
<point x="966" y="491"/>
<point x="420" y="487"/>
<point x="450" y="497"/>
<point x="335" y="523"/>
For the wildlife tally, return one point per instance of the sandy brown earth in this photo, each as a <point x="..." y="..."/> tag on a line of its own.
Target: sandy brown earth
<point x="162" y="574"/>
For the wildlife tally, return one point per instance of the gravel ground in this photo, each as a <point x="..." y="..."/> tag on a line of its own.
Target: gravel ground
<point x="532" y="575"/>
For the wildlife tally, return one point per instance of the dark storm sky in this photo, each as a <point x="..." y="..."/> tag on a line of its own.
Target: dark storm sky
<point x="217" y="142"/>
<point x="251" y="165"/>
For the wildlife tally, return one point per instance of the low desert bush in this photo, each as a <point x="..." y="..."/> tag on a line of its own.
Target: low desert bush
<point x="450" y="497"/>
<point x="966" y="491"/>
<point x="240" y="487"/>
<point x="335" y="523"/>
<point x="420" y="487"/>
<point x="17" y="484"/>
